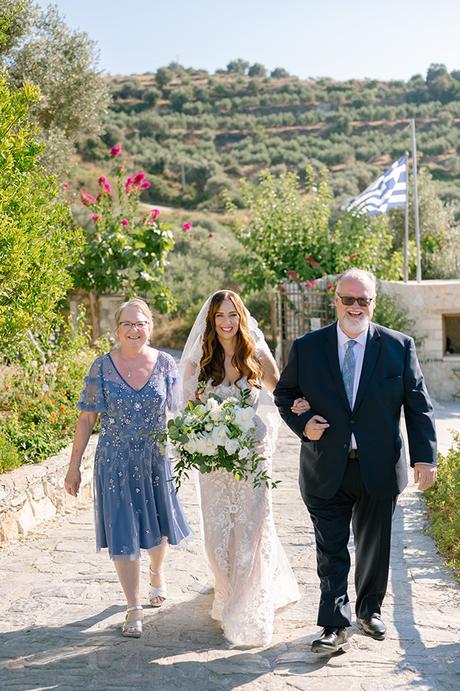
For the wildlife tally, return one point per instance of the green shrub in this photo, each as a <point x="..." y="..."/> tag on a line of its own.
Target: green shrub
<point x="37" y="238"/>
<point x="9" y="455"/>
<point x="38" y="400"/>
<point x="443" y="500"/>
<point x="390" y="313"/>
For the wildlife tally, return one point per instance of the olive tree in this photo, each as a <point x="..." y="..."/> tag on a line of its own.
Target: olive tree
<point x="36" y="46"/>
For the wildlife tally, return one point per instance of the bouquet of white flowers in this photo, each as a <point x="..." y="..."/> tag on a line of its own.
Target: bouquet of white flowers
<point x="218" y="434"/>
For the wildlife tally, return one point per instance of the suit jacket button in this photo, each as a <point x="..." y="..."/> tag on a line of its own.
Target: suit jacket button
<point x="352" y="422"/>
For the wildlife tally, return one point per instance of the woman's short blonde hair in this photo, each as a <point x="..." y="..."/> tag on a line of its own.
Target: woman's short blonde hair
<point x="142" y="307"/>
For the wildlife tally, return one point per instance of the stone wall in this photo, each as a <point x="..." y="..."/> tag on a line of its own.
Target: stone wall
<point x="428" y="304"/>
<point x="34" y="493"/>
<point x="106" y="308"/>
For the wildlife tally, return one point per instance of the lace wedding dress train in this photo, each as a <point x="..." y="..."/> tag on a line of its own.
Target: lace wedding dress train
<point x="251" y="572"/>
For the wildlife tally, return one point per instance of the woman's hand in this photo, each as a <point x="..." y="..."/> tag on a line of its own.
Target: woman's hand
<point x="300" y="406"/>
<point x="85" y="423"/>
<point x="72" y="481"/>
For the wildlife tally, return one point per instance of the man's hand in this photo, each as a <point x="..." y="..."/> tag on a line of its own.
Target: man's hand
<point x="425" y="474"/>
<point x="300" y="406"/>
<point x="315" y="428"/>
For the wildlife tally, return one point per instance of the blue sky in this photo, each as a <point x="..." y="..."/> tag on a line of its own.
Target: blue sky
<point x="392" y="39"/>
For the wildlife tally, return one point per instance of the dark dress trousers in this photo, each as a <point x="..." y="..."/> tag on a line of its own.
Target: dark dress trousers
<point x="337" y="490"/>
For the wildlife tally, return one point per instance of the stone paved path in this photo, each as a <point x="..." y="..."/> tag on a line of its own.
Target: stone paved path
<point x="61" y="608"/>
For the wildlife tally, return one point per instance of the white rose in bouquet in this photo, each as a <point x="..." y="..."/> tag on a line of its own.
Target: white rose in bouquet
<point x="244" y="418"/>
<point x="213" y="408"/>
<point x="190" y="445"/>
<point x="231" y="446"/>
<point x="219" y="435"/>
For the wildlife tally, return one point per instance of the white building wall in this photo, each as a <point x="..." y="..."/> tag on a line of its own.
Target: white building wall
<point x="426" y="304"/>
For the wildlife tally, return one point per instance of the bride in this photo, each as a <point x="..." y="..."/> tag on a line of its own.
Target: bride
<point x="224" y="354"/>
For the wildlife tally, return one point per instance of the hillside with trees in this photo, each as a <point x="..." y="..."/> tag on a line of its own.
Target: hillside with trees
<point x="198" y="134"/>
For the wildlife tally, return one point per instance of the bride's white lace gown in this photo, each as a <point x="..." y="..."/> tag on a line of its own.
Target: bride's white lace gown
<point x="252" y="575"/>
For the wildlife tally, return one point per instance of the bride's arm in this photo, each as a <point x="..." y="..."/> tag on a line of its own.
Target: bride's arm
<point x="270" y="379"/>
<point x="270" y="372"/>
<point x="189" y="383"/>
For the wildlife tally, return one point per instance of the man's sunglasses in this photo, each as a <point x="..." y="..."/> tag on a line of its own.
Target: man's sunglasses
<point x="349" y="300"/>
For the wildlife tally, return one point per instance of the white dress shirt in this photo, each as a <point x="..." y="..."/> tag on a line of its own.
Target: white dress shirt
<point x="358" y="351"/>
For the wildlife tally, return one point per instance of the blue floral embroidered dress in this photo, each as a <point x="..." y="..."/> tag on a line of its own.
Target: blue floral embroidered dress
<point x="134" y="497"/>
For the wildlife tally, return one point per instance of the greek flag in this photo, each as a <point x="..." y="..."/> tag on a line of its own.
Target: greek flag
<point x="389" y="191"/>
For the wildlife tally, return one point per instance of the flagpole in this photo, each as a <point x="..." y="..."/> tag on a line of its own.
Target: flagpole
<point x="406" y="227"/>
<point x="417" y="222"/>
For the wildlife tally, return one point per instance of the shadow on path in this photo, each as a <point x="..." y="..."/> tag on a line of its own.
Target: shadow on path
<point x="181" y="648"/>
<point x="430" y="649"/>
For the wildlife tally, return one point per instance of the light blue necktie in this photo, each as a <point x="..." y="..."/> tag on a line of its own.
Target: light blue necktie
<point x="348" y="370"/>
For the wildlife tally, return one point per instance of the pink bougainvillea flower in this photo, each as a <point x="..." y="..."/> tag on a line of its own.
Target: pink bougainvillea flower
<point x="138" y="178"/>
<point x="312" y="261"/>
<point x="310" y="283"/>
<point x="124" y="222"/>
<point x="115" y="151"/>
<point x="102" y="180"/>
<point x="129" y="185"/>
<point x="145" y="184"/>
<point x="330" y="286"/>
<point x="155" y="213"/>
<point x="65" y="186"/>
<point x="353" y="256"/>
<point x="86" y="198"/>
<point x="187" y="226"/>
<point x="95" y="217"/>
<point x="293" y="275"/>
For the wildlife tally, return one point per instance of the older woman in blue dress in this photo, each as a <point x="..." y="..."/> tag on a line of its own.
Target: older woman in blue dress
<point x="136" y="506"/>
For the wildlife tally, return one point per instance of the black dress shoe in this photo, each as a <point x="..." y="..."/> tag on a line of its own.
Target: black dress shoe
<point x="373" y="627"/>
<point x="332" y="640"/>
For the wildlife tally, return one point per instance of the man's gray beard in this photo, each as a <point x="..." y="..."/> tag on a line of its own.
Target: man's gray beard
<point x="355" y="327"/>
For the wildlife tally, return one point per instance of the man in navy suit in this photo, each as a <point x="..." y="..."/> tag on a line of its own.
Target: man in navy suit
<point x="357" y="376"/>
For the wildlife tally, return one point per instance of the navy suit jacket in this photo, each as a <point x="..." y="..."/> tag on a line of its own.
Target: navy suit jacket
<point x="391" y="379"/>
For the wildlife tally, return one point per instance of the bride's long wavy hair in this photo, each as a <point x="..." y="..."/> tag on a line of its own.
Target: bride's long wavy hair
<point x="244" y="359"/>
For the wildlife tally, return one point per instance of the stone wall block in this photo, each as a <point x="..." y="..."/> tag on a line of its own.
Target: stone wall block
<point x="35" y="493"/>
<point x="43" y="509"/>
<point x="9" y="530"/>
<point x="25" y="518"/>
<point x="21" y="481"/>
<point x="18" y="500"/>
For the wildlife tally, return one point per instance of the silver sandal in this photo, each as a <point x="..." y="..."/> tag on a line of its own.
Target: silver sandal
<point x="160" y="591"/>
<point x="132" y="629"/>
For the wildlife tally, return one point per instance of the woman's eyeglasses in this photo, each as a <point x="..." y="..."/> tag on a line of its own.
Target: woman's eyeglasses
<point x="349" y="300"/>
<point x="131" y="325"/>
